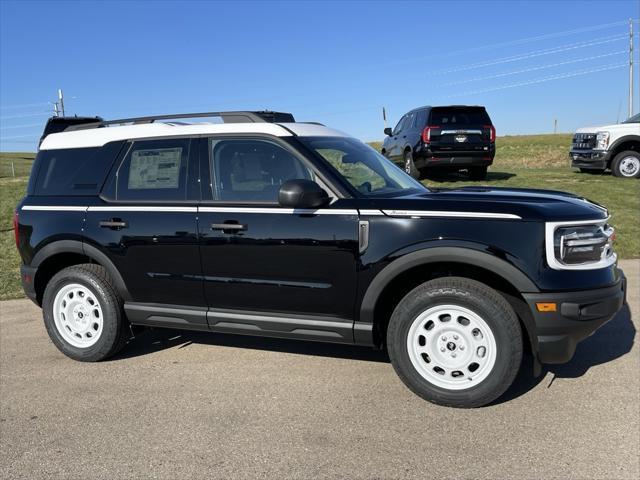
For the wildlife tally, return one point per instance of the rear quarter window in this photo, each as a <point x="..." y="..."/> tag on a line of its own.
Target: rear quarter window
<point x="73" y="171"/>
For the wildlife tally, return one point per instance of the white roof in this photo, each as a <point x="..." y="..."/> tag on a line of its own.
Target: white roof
<point x="97" y="137"/>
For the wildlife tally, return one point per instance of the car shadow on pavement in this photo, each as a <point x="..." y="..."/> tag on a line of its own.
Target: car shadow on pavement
<point x="613" y="340"/>
<point x="153" y="340"/>
<point x="610" y="342"/>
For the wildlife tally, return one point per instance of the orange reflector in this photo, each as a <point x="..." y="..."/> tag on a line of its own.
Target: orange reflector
<point x="546" y="307"/>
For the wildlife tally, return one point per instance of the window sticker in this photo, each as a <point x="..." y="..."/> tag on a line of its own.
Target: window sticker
<point x="156" y="168"/>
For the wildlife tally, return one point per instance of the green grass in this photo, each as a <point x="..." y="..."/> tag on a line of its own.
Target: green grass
<point x="535" y="161"/>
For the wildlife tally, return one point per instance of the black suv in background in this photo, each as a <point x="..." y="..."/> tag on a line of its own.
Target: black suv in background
<point x="442" y="139"/>
<point x="265" y="226"/>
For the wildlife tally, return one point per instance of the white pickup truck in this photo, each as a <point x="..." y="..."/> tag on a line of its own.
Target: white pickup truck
<point x="617" y="147"/>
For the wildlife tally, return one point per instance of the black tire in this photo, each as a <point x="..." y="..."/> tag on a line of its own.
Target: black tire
<point x="485" y="302"/>
<point x="478" y="173"/>
<point x="592" y="171"/>
<point x="626" y="164"/>
<point x="409" y="167"/>
<point x="115" y="329"/>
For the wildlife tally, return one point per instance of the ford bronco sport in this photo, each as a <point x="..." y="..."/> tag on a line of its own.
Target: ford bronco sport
<point x="263" y="226"/>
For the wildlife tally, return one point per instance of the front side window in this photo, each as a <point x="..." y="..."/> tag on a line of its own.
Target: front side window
<point x="365" y="169"/>
<point x="153" y="170"/>
<point x="400" y="125"/>
<point x="251" y="170"/>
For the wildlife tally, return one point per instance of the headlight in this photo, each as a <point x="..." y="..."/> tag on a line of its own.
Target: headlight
<point x="602" y="140"/>
<point x="580" y="245"/>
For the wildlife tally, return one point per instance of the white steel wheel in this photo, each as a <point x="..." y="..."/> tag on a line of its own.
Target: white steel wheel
<point x="451" y="347"/>
<point x="78" y="315"/>
<point x="630" y="166"/>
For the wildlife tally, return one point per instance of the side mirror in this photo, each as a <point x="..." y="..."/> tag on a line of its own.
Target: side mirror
<point x="302" y="193"/>
<point x="388" y="132"/>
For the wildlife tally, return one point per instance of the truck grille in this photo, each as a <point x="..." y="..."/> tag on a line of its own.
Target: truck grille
<point x="584" y="141"/>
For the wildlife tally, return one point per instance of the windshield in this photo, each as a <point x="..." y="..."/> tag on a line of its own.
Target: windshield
<point x="365" y="169"/>
<point x="634" y="119"/>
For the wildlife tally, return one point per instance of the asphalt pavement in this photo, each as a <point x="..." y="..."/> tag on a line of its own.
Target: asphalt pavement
<point x="190" y="405"/>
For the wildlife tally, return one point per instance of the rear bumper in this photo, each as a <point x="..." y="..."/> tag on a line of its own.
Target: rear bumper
<point x="578" y="315"/>
<point x="596" y="159"/>
<point x="27" y="276"/>
<point x="453" y="161"/>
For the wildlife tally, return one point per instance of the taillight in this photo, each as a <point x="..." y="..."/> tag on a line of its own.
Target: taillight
<point x="426" y="133"/>
<point x="15" y="228"/>
<point x="492" y="134"/>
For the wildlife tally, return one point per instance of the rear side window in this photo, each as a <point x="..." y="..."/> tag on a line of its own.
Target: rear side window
<point x="73" y="171"/>
<point x="459" y="117"/>
<point x="421" y="118"/>
<point x="152" y="170"/>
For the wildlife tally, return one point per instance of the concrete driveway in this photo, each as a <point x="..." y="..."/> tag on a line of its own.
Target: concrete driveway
<point x="201" y="405"/>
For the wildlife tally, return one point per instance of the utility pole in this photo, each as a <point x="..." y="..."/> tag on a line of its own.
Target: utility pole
<point x="56" y="113"/>
<point x="384" y="116"/>
<point x="555" y="126"/>
<point x="61" y="101"/>
<point x="630" y="67"/>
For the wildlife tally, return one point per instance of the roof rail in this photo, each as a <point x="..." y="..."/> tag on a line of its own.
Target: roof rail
<point x="227" y="117"/>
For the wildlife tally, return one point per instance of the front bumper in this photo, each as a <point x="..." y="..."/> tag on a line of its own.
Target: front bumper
<point x="578" y="315"/>
<point x="595" y="159"/>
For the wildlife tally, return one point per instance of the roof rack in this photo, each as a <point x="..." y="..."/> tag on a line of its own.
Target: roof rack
<point x="227" y="117"/>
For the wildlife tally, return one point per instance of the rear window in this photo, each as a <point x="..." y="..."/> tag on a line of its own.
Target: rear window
<point x="73" y="171"/>
<point x="459" y="117"/>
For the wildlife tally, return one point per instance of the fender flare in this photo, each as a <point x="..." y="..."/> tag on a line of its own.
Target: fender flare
<point x="75" y="246"/>
<point x="437" y="255"/>
<point x="621" y="140"/>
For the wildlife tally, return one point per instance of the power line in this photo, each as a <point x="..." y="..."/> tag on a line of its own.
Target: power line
<point x="25" y="115"/>
<point x="533" y="54"/>
<point x="533" y="69"/>
<point x="31" y="135"/>
<point x="541" y="80"/>
<point x="24" y="105"/>
<point x="22" y="126"/>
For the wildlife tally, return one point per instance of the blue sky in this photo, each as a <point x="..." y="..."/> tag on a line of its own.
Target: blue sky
<point x="333" y="62"/>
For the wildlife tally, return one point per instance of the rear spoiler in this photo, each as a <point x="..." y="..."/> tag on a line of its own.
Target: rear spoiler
<point x="60" y="124"/>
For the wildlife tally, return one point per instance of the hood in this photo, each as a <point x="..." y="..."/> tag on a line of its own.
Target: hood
<point x="528" y="204"/>
<point x="624" y="127"/>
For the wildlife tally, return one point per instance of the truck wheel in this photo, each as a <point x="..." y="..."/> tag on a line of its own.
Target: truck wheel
<point x="409" y="166"/>
<point x="478" y="173"/>
<point x="455" y="342"/>
<point x="626" y="164"/>
<point x="83" y="313"/>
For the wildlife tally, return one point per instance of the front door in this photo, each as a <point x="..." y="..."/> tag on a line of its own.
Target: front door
<point x="270" y="270"/>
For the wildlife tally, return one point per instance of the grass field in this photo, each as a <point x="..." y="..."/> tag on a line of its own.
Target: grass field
<point x="537" y="161"/>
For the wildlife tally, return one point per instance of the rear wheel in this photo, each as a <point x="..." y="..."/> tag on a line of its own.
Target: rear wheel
<point x="626" y="164"/>
<point x="83" y="313"/>
<point x="478" y="173"/>
<point x="409" y="166"/>
<point x="455" y="342"/>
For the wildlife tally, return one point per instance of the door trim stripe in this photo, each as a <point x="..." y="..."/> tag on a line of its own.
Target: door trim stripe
<point x="445" y="214"/>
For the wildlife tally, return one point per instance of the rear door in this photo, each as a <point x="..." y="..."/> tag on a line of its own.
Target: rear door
<point x="145" y="222"/>
<point x="460" y="131"/>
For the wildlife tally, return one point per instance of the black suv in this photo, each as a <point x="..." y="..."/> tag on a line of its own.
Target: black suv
<point x="295" y="230"/>
<point x="442" y="139"/>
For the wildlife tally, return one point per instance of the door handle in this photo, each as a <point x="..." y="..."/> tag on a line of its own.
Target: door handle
<point x="114" y="224"/>
<point x="228" y="227"/>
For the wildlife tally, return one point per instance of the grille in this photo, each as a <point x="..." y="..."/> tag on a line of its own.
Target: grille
<point x="584" y="140"/>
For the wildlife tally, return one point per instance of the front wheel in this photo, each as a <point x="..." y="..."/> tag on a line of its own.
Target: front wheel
<point x="626" y="164"/>
<point x="83" y="313"/>
<point x="455" y="342"/>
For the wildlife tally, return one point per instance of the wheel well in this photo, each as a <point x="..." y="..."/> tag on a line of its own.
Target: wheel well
<point x="52" y="265"/>
<point x="626" y="145"/>
<point x="406" y="281"/>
